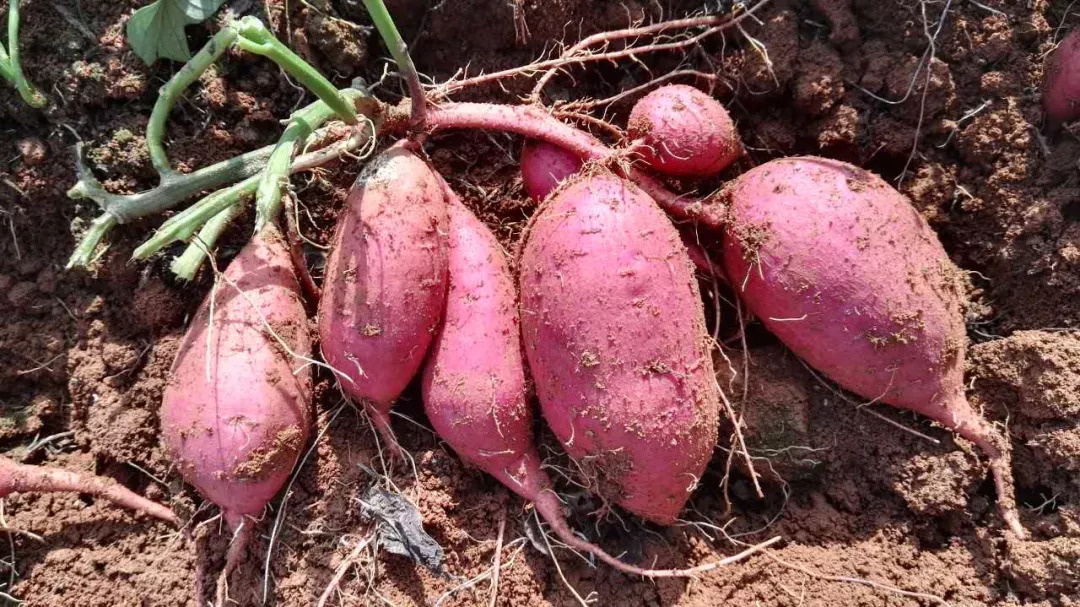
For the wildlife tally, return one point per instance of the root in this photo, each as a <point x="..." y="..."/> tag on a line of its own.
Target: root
<point x="237" y="551"/>
<point x="577" y="54"/>
<point x="22" y="478"/>
<point x="498" y="560"/>
<point x="537" y="123"/>
<point x="343" y="568"/>
<point x="296" y="251"/>
<point x="547" y="506"/>
<point x="855" y="580"/>
<point x="996" y="448"/>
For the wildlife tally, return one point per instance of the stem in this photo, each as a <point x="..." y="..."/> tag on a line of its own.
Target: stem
<point x="171" y="91"/>
<point x="184" y="224"/>
<point x="14" y="73"/>
<point x="127" y="207"/>
<point x="255" y="38"/>
<point x="84" y="252"/>
<point x="185" y="266"/>
<point x="388" y="31"/>
<point x="276" y="174"/>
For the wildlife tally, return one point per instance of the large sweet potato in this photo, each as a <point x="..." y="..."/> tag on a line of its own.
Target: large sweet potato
<point x="839" y="266"/>
<point x="615" y="338"/>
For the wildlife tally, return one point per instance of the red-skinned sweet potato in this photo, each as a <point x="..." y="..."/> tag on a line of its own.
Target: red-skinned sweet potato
<point x="544" y="166"/>
<point x="840" y="266"/>
<point x="474" y="382"/>
<point x="679" y="130"/>
<point x="386" y="279"/>
<point x="615" y="338"/>
<point x="1061" y="86"/>
<point x="236" y="412"/>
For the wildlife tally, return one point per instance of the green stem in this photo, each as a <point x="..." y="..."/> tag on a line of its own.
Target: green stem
<point x="276" y="174"/>
<point x="27" y="91"/>
<point x="171" y="91"/>
<point x="388" y="31"/>
<point x="127" y="207"/>
<point x="186" y="265"/>
<point x="184" y="224"/>
<point x="84" y="252"/>
<point x="255" y="38"/>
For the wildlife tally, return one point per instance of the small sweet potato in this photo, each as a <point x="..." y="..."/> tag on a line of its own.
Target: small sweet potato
<point x="679" y="130"/>
<point x="544" y="166"/>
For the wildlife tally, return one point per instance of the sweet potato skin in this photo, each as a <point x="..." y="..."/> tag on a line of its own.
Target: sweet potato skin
<point x="679" y="130"/>
<point x="386" y="279"/>
<point x="544" y="166"/>
<point x="235" y="417"/>
<point x="1061" y="87"/>
<point x="840" y="266"/>
<point x="615" y="338"/>
<point x="474" y="380"/>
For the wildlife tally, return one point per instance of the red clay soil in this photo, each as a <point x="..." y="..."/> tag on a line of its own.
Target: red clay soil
<point x="84" y="355"/>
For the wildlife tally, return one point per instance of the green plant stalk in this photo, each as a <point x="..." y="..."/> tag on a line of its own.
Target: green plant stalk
<point x="128" y="207"/>
<point x="171" y="91"/>
<point x="255" y="38"/>
<point x="276" y="174"/>
<point x="186" y="265"/>
<point x="388" y="31"/>
<point x="11" y="65"/>
<point x="183" y="225"/>
<point x="84" y="252"/>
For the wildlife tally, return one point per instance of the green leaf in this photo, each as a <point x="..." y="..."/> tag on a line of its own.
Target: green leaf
<point x="157" y="31"/>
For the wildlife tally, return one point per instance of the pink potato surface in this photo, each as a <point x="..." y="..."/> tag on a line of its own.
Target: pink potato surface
<point x="840" y="266"/>
<point x="1061" y="86"/>
<point x="236" y="411"/>
<point x="544" y="166"/>
<point x="474" y="381"/>
<point x="615" y="338"/>
<point x="679" y="130"/>
<point x="386" y="281"/>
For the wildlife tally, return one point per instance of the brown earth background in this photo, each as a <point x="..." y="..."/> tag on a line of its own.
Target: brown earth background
<point x="84" y="355"/>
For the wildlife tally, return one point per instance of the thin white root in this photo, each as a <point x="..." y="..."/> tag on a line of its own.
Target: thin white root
<point x="344" y="568"/>
<point x="498" y="559"/>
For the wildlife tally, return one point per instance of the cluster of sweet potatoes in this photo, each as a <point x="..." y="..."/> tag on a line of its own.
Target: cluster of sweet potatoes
<point x="604" y="315"/>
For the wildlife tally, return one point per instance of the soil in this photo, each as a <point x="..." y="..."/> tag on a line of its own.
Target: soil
<point x="84" y="355"/>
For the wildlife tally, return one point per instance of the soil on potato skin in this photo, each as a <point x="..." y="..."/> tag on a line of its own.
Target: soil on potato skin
<point x="84" y="356"/>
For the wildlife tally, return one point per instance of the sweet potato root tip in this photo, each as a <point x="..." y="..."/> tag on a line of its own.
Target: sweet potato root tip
<point x="23" y="478"/>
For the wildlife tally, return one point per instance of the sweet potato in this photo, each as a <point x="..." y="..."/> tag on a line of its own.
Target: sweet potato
<point x="544" y="166"/>
<point x="474" y="381"/>
<point x="386" y="280"/>
<point x="236" y="411"/>
<point x="1061" y="85"/>
<point x="840" y="266"/>
<point x="679" y="130"/>
<point x="615" y="337"/>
